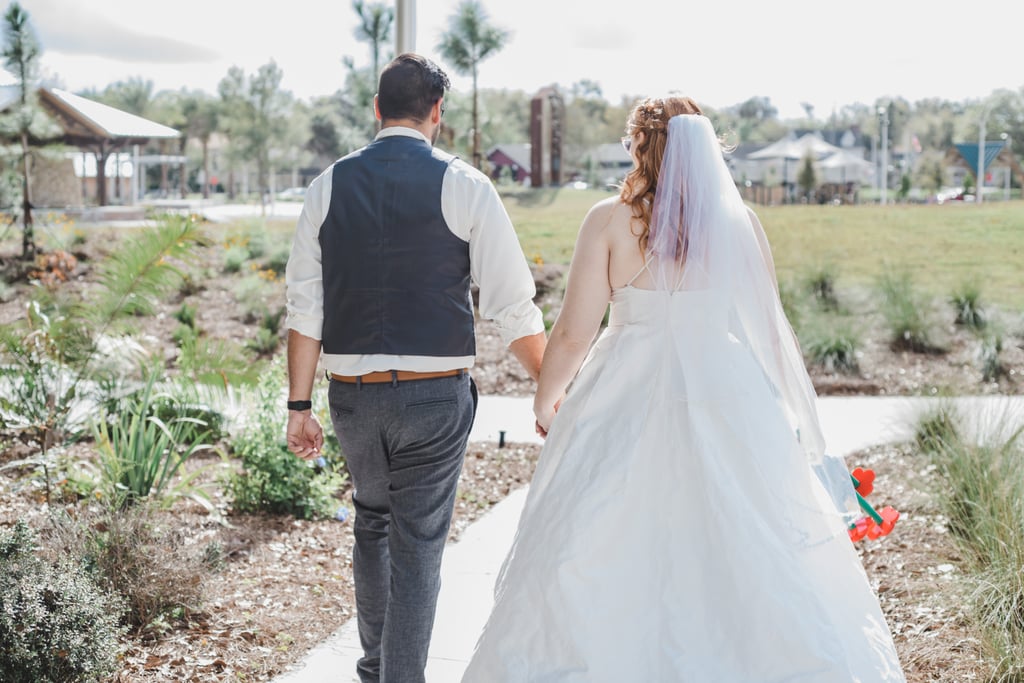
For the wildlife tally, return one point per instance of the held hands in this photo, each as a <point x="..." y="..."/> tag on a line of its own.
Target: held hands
<point x="304" y="433"/>
<point x="545" y="415"/>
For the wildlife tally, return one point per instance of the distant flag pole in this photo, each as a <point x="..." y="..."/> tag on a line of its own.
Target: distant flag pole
<point x="405" y="22"/>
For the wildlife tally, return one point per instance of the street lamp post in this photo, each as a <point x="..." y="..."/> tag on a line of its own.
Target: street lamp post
<point x="1009" y="143"/>
<point x="883" y="113"/>
<point x="981" y="159"/>
<point x="405" y="26"/>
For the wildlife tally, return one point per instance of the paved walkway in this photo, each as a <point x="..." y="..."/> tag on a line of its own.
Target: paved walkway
<point x="470" y="566"/>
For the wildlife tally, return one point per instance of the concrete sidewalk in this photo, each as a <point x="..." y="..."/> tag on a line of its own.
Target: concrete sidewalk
<point x="470" y="566"/>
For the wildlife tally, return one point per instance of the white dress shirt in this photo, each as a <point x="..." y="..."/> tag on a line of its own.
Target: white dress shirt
<point x="474" y="213"/>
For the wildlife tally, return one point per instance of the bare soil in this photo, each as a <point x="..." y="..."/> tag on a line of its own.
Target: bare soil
<point x="285" y="584"/>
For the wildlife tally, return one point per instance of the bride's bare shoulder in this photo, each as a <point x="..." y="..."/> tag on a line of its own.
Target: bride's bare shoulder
<point x="604" y="212"/>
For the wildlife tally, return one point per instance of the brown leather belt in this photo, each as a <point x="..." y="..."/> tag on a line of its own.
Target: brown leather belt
<point x="395" y="376"/>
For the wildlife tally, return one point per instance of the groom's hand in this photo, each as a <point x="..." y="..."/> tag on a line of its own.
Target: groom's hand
<point x="305" y="435"/>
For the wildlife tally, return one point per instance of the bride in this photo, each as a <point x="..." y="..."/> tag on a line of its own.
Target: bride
<point x="684" y="523"/>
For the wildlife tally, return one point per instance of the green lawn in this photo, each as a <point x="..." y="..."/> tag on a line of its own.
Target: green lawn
<point x="941" y="246"/>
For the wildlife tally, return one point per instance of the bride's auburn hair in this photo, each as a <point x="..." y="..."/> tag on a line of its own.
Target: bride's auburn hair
<point x="650" y="116"/>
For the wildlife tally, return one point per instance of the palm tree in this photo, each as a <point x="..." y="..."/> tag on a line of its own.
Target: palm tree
<point x="201" y="113"/>
<point x="375" y="20"/>
<point x="468" y="41"/>
<point x="374" y="27"/>
<point x="21" y="56"/>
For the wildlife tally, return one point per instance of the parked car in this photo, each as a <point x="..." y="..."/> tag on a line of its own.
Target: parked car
<point x="951" y="194"/>
<point x="292" y="194"/>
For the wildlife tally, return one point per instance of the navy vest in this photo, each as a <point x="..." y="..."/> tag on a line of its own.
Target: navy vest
<point x="396" y="280"/>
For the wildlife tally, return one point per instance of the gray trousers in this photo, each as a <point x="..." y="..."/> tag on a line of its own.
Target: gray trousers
<point x="404" y="444"/>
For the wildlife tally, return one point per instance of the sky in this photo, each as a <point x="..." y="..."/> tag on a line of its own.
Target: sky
<point x="720" y="52"/>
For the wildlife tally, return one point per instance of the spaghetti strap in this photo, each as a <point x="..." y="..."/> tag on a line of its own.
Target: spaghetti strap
<point x="647" y="262"/>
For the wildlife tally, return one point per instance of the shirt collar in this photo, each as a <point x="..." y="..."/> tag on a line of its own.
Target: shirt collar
<point x="401" y="130"/>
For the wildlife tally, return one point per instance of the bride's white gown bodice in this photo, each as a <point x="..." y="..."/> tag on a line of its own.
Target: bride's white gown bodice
<point x="674" y="531"/>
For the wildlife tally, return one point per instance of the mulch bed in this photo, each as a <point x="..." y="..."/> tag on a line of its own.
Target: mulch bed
<point x="286" y="584"/>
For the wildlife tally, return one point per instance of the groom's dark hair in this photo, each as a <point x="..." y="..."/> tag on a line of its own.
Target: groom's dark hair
<point x="409" y="86"/>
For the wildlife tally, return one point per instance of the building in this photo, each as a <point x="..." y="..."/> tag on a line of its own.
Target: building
<point x="510" y="160"/>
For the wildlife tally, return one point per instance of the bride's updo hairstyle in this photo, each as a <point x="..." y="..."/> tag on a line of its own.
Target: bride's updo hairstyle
<point x="650" y="116"/>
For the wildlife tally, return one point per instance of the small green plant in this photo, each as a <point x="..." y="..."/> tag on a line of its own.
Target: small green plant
<point x="264" y="343"/>
<point x="200" y="422"/>
<point x="966" y="301"/>
<point x="255" y="238"/>
<point x="140" y="453"/>
<point x="990" y="355"/>
<point x="186" y="315"/>
<point x="278" y="261"/>
<point x="252" y="293"/>
<point x="834" y="347"/>
<point x="268" y="336"/>
<point x="273" y="479"/>
<point x="56" y="625"/>
<point x="907" y="314"/>
<point x="183" y="335"/>
<point x="821" y="284"/>
<point x="234" y="258"/>
<point x="215" y="362"/>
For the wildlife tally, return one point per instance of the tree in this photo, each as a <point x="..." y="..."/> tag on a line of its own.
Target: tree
<point x="202" y="114"/>
<point x="134" y="96"/>
<point x="21" y="56"/>
<point x="807" y="180"/>
<point x="375" y="20"/>
<point x="255" y="115"/>
<point x="467" y="42"/>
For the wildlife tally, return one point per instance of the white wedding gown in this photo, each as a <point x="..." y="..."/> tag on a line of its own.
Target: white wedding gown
<point x="674" y="538"/>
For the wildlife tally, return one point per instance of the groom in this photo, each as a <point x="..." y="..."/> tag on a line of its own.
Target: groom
<point x="378" y="281"/>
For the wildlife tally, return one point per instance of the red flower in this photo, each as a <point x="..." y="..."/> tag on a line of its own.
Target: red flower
<point x="865" y="481"/>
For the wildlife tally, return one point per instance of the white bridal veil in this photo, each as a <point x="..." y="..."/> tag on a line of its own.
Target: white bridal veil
<point x="703" y="237"/>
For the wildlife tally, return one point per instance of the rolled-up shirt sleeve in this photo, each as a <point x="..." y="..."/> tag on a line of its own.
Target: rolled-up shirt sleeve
<point x="304" y="274"/>
<point x="474" y="211"/>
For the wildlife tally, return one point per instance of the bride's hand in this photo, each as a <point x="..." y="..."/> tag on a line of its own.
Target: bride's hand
<point x="545" y="416"/>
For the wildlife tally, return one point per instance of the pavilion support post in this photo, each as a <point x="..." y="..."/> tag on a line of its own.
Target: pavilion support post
<point x="101" y="173"/>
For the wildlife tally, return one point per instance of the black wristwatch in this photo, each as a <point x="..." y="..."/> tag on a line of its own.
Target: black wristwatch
<point x="300" y="405"/>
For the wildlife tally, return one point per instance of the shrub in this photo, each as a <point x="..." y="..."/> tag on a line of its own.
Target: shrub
<point x="981" y="494"/>
<point x="937" y="428"/>
<point x="821" y="284"/>
<point x="278" y="261"/>
<point x="215" y="362"/>
<point x="273" y="479"/>
<point x="200" y="422"/>
<point x="56" y="625"/>
<point x="150" y="567"/>
<point x="252" y="294"/>
<point x="265" y="342"/>
<point x="906" y="314"/>
<point x="234" y="258"/>
<point x="55" y="355"/>
<point x="992" y="366"/>
<point x="966" y="300"/>
<point x="255" y="238"/>
<point x="140" y="453"/>
<point x="834" y="347"/>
